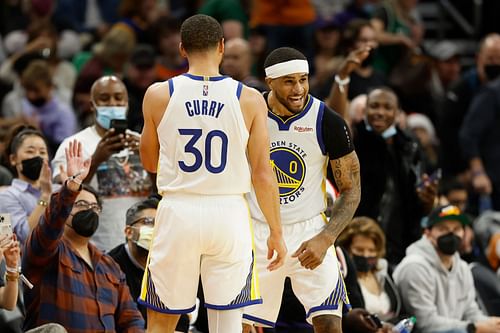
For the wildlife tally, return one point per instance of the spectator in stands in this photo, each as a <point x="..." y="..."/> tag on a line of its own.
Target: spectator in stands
<point x="423" y="129"/>
<point x="457" y="103"/>
<point x="75" y="284"/>
<point x="140" y="73"/>
<point x="237" y="63"/>
<point x="364" y="241"/>
<point x="116" y="170"/>
<point x="445" y="70"/>
<point x="108" y="58"/>
<point x="137" y="18"/>
<point x="90" y="16"/>
<point x="29" y="194"/>
<point x="391" y="170"/>
<point x="357" y="35"/>
<point x="435" y="284"/>
<point x="133" y="254"/>
<point x="41" y="107"/>
<point x="398" y="31"/>
<point x="168" y="36"/>
<point x="480" y="142"/>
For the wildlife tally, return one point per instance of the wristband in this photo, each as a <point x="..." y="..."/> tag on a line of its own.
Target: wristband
<point x="12" y="269"/>
<point x="11" y="277"/>
<point x="74" y="180"/>
<point x="341" y="83"/>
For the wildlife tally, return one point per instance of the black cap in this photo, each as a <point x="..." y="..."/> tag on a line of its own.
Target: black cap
<point x="143" y="56"/>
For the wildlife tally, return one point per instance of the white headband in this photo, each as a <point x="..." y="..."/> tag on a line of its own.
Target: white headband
<point x="286" y="68"/>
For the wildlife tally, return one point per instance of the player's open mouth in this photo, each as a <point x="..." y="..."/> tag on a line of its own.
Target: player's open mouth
<point x="296" y="101"/>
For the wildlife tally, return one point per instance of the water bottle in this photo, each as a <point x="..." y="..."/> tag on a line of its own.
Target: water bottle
<point x="405" y="326"/>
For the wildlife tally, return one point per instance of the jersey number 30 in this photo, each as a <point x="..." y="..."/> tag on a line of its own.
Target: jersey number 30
<point x="190" y="148"/>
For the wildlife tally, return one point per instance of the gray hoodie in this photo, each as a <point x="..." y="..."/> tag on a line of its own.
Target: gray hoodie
<point x="440" y="299"/>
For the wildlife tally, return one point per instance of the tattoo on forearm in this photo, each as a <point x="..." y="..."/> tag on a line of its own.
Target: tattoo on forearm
<point x="346" y="171"/>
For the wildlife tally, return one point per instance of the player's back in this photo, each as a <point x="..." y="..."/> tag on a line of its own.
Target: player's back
<point x="203" y="138"/>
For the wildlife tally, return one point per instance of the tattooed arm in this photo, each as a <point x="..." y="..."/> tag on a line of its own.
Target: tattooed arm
<point x="346" y="173"/>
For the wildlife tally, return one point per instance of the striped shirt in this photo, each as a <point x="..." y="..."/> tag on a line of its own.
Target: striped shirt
<point x="66" y="289"/>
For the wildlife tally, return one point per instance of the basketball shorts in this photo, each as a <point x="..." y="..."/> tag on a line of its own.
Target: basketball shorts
<point x="198" y="235"/>
<point x="321" y="291"/>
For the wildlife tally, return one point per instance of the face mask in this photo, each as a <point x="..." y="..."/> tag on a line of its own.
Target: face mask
<point x="38" y="102"/>
<point x="106" y="113"/>
<point x="492" y="71"/>
<point x="32" y="167"/>
<point x="85" y="222"/>
<point x="364" y="264"/>
<point x="390" y="131"/>
<point x="145" y="237"/>
<point x="448" y="244"/>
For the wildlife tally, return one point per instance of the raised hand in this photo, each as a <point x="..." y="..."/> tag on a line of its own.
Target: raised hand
<point x="12" y="252"/>
<point x="45" y="180"/>
<point x="76" y="166"/>
<point x="110" y="144"/>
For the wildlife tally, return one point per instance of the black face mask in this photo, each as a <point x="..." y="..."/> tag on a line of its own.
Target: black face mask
<point x="38" y="102"/>
<point x="449" y="243"/>
<point x="85" y="222"/>
<point x="364" y="264"/>
<point x="32" y="167"/>
<point x="492" y="71"/>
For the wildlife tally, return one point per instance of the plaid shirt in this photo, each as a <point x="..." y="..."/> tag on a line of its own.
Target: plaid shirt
<point x="66" y="289"/>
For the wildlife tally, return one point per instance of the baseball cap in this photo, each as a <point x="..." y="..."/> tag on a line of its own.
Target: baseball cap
<point x="444" y="50"/>
<point x="445" y="213"/>
<point x="143" y="56"/>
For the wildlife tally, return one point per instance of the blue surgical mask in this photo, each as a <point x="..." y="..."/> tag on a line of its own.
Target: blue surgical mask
<point x="106" y="113"/>
<point x="390" y="131"/>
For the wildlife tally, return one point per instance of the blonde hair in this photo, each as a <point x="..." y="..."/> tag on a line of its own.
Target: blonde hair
<point x="363" y="226"/>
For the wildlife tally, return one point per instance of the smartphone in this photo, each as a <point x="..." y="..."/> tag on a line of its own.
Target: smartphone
<point x="436" y="175"/>
<point x="5" y="224"/>
<point x="376" y="320"/>
<point x="120" y="125"/>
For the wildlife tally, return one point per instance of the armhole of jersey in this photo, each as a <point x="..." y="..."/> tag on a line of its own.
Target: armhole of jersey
<point x="319" y="127"/>
<point x="238" y="90"/>
<point x="170" y="87"/>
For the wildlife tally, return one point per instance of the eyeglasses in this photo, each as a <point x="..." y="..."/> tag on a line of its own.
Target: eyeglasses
<point x="145" y="220"/>
<point x="83" y="204"/>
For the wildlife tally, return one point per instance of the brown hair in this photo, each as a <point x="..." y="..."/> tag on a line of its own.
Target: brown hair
<point x="37" y="70"/>
<point x="363" y="226"/>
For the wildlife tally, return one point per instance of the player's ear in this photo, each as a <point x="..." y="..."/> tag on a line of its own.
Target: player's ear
<point x="269" y="82"/>
<point x="221" y="46"/>
<point x="182" y="51"/>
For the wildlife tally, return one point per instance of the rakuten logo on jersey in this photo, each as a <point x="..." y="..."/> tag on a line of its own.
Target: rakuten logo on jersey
<point x="303" y="129"/>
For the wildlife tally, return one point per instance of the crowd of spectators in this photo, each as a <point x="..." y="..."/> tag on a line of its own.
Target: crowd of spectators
<point x="73" y="74"/>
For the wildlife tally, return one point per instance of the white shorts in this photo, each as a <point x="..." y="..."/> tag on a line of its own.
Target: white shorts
<point x="321" y="291"/>
<point x="198" y="235"/>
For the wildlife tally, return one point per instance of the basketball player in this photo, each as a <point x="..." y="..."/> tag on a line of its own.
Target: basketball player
<point x="306" y="138"/>
<point x="199" y="128"/>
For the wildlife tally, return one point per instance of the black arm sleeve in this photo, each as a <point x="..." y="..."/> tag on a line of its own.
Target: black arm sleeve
<point x="336" y="135"/>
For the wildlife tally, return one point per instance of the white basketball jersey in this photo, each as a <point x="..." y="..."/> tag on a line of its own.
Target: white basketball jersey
<point x="299" y="161"/>
<point x="203" y="138"/>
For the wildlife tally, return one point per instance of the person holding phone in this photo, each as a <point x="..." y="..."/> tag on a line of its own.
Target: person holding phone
<point x="9" y="273"/>
<point x="116" y="170"/>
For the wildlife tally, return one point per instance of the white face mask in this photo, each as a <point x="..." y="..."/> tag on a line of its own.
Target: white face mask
<point x="145" y="237"/>
<point x="105" y="114"/>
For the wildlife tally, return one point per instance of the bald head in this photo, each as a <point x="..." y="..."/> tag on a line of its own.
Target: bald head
<point x="237" y="59"/>
<point x="109" y="91"/>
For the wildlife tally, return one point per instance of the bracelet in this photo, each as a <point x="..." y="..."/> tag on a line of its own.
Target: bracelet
<point x="341" y="83"/>
<point x="11" y="277"/>
<point x="42" y="203"/>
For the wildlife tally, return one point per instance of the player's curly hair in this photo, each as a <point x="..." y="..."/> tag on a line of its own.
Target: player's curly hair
<point x="283" y="54"/>
<point x="200" y="33"/>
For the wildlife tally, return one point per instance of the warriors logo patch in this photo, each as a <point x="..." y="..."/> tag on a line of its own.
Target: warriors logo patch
<point x="289" y="168"/>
